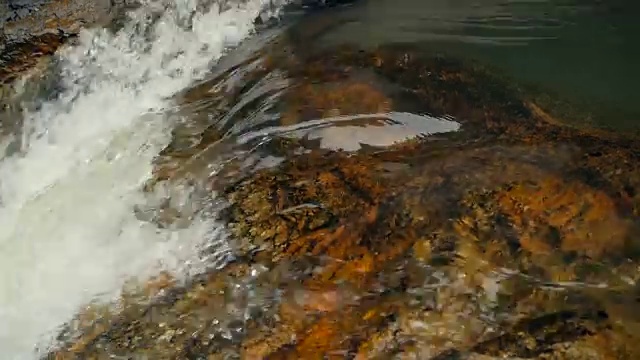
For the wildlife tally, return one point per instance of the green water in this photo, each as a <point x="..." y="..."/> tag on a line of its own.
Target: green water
<point x="584" y="53"/>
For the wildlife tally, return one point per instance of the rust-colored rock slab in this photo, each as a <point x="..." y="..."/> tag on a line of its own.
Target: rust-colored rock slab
<point x="489" y="242"/>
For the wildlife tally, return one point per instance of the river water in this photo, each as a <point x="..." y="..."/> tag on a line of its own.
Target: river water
<point x="76" y="169"/>
<point x="582" y="52"/>
<point x="69" y="233"/>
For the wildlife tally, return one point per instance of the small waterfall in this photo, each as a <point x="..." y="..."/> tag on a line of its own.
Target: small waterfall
<point x="68" y="232"/>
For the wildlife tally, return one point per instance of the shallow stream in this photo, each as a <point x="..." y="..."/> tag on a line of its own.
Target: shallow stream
<point x="379" y="179"/>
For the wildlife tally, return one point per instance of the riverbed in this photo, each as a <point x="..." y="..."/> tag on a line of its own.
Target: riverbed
<point x="374" y="179"/>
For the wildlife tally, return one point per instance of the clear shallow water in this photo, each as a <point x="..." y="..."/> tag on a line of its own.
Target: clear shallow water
<point x="74" y="217"/>
<point x="584" y="52"/>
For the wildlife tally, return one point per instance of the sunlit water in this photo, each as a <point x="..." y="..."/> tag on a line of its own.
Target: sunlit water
<point x="68" y="233"/>
<point x="73" y="227"/>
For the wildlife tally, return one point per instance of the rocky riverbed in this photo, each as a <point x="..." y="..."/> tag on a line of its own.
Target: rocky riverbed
<point x="474" y="225"/>
<point x="512" y="237"/>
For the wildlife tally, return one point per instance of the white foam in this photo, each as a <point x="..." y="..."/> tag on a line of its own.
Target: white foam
<point x="67" y="230"/>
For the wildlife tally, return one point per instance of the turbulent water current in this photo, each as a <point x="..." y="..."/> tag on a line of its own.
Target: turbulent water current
<point x="68" y="232"/>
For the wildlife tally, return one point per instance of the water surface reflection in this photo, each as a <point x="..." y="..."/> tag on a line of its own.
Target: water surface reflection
<point x="582" y="51"/>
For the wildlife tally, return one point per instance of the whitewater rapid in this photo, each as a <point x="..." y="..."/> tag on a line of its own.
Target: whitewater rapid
<point x="68" y="232"/>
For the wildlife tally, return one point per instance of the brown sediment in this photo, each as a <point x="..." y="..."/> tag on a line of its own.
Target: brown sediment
<point x="425" y="249"/>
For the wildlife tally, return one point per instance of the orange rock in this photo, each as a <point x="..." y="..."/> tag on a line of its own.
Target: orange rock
<point x="582" y="219"/>
<point x="314" y="101"/>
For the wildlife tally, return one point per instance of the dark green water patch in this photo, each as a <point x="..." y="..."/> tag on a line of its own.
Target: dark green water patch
<point x="583" y="52"/>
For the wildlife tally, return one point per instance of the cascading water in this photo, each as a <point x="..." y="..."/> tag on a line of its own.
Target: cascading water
<point x="68" y="232"/>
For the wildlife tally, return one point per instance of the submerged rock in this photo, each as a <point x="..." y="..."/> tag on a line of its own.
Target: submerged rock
<point x="513" y="236"/>
<point x="392" y="205"/>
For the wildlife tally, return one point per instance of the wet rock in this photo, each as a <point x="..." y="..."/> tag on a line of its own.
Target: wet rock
<point x="488" y="242"/>
<point x="32" y="29"/>
<point x="25" y="19"/>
